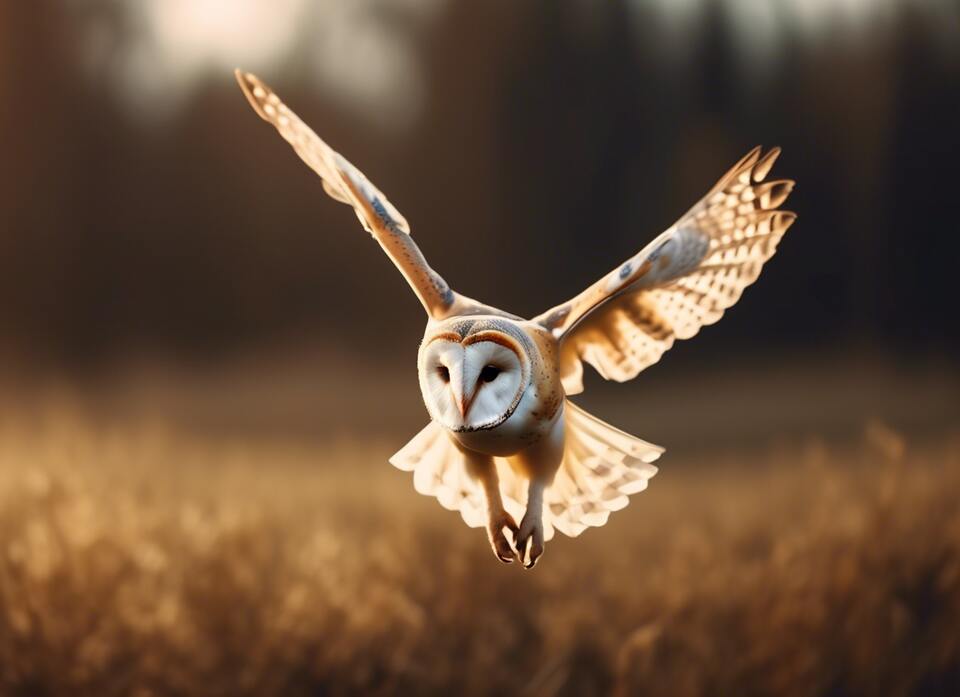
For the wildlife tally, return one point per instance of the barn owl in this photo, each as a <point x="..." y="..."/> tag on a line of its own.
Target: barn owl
<point x="504" y="441"/>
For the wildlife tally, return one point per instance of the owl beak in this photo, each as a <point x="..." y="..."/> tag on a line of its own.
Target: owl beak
<point x="463" y="405"/>
<point x="463" y="398"/>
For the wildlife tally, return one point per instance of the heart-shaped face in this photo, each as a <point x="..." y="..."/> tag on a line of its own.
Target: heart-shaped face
<point x="472" y="383"/>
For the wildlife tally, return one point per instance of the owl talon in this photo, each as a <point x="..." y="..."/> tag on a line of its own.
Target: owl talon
<point x="531" y="531"/>
<point x="498" y="541"/>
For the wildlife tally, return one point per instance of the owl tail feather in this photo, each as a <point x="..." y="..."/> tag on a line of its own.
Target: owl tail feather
<point x="601" y="467"/>
<point x="440" y="469"/>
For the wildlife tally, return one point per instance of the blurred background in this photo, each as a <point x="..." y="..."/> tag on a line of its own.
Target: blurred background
<point x="178" y="296"/>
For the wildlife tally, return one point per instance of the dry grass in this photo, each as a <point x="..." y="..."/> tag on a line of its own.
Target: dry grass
<point x="150" y="562"/>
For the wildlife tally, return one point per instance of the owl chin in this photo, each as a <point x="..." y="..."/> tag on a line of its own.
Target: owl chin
<point x="486" y="425"/>
<point x="447" y="415"/>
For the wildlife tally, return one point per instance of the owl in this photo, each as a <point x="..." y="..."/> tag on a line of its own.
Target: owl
<point x="505" y="442"/>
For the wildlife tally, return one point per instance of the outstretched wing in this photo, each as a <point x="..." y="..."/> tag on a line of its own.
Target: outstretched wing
<point x="347" y="184"/>
<point x="678" y="283"/>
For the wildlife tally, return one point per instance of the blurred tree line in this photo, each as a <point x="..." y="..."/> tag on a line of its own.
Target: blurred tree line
<point x="554" y="141"/>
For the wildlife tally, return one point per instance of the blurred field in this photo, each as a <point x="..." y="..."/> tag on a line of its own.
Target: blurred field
<point x="138" y="558"/>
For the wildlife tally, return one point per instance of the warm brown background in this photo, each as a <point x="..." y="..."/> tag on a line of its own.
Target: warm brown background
<point x="143" y="208"/>
<point x="205" y="362"/>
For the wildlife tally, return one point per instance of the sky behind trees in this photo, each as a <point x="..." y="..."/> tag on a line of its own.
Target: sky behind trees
<point x="144" y="208"/>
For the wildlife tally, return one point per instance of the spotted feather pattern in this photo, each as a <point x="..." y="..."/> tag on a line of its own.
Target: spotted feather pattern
<point x="602" y="466"/>
<point x="683" y="280"/>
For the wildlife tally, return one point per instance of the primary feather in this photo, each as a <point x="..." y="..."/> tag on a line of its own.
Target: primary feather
<point x="681" y="281"/>
<point x="347" y="184"/>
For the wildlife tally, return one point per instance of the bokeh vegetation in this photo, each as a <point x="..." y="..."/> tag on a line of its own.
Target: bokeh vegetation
<point x="147" y="560"/>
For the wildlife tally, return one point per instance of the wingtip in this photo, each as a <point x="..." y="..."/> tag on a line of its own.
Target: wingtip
<point x="787" y="218"/>
<point x="763" y="166"/>
<point x="652" y="456"/>
<point x="751" y="157"/>
<point x="742" y="165"/>
<point x="243" y="78"/>
<point x="248" y="85"/>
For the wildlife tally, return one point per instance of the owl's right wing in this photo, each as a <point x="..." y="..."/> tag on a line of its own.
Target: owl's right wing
<point x="681" y="281"/>
<point x="347" y="184"/>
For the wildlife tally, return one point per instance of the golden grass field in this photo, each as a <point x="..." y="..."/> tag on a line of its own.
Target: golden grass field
<point x="141" y="558"/>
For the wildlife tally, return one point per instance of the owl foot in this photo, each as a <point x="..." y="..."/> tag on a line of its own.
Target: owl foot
<point x="531" y="531"/>
<point x="501" y="546"/>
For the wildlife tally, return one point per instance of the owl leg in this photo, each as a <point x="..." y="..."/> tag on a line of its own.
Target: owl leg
<point x="483" y="469"/>
<point x="539" y="463"/>
<point x="531" y="526"/>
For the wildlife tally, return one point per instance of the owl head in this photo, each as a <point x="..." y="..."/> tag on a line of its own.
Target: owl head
<point x="472" y="377"/>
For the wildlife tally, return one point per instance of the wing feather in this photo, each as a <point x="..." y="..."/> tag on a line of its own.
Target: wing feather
<point x="602" y="466"/>
<point x="439" y="470"/>
<point x="685" y="279"/>
<point x="347" y="184"/>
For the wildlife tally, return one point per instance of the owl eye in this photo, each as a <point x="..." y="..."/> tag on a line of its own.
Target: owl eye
<point x="489" y="373"/>
<point x="444" y="373"/>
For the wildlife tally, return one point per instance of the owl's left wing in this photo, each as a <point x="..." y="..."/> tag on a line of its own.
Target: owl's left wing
<point x="681" y="281"/>
<point x="347" y="184"/>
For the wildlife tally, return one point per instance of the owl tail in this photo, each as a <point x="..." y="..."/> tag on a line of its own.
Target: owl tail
<point x="439" y="469"/>
<point x="601" y="467"/>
